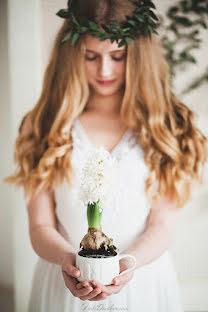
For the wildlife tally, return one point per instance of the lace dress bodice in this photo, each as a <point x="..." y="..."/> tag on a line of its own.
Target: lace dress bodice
<point x="130" y="206"/>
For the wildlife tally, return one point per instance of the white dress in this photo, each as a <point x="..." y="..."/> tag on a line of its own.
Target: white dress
<point x="154" y="287"/>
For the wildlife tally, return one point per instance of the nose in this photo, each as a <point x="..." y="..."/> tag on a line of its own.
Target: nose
<point x="105" y="67"/>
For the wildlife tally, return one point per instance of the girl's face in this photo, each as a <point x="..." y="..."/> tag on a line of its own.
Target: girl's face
<point x="105" y="65"/>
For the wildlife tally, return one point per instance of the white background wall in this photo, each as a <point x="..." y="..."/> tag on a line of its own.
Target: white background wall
<point x="21" y="80"/>
<point x="6" y="247"/>
<point x="27" y="30"/>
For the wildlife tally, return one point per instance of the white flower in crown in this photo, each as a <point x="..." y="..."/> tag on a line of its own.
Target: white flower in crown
<point x="98" y="177"/>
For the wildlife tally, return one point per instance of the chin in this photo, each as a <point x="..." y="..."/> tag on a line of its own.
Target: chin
<point x="105" y="91"/>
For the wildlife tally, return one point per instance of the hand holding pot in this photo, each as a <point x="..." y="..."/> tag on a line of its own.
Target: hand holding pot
<point x="118" y="283"/>
<point x="70" y="273"/>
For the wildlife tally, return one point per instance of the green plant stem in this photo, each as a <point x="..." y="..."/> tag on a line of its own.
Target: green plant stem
<point x="94" y="216"/>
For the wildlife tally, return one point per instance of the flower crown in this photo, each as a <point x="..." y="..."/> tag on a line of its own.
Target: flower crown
<point x="143" y="21"/>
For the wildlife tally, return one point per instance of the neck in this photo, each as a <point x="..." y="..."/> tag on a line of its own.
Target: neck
<point x="107" y="105"/>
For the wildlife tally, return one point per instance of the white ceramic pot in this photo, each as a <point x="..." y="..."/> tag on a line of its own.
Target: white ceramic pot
<point x="104" y="270"/>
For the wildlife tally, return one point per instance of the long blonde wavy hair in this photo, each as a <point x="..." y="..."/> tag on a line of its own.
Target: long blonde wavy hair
<point x="174" y="149"/>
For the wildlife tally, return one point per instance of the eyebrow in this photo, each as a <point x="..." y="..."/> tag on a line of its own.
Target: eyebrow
<point x="110" y="51"/>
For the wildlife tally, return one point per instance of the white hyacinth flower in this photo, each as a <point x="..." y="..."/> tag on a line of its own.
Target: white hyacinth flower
<point x="98" y="178"/>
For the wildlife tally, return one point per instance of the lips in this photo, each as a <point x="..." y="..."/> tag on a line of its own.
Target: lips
<point x="106" y="82"/>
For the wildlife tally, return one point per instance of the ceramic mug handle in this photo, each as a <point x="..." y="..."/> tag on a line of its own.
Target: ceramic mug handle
<point x="127" y="256"/>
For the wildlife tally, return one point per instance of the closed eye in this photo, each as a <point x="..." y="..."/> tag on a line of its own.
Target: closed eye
<point x="118" y="59"/>
<point x="90" y="58"/>
<point x="114" y="58"/>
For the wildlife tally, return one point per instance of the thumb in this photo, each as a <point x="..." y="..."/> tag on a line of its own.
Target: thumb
<point x="120" y="279"/>
<point x="68" y="265"/>
<point x="71" y="270"/>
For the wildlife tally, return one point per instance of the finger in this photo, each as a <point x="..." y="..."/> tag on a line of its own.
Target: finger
<point x="91" y="295"/>
<point x="106" y="289"/>
<point x="71" y="270"/>
<point x="70" y="282"/>
<point x="118" y="280"/>
<point x="122" y="279"/>
<point x="83" y="284"/>
<point x="80" y="285"/>
<point x="83" y="292"/>
<point x="102" y="296"/>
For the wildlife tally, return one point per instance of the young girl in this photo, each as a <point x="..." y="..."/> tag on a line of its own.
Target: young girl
<point x="95" y="93"/>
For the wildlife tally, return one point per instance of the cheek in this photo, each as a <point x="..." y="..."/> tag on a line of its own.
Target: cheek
<point x="90" y="70"/>
<point x="121" y="70"/>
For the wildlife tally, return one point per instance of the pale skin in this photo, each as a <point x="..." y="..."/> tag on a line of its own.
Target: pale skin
<point x="103" y="126"/>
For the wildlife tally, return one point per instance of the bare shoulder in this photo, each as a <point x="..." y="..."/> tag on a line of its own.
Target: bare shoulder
<point x="25" y="125"/>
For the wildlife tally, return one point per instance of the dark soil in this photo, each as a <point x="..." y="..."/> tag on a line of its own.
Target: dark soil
<point x="100" y="253"/>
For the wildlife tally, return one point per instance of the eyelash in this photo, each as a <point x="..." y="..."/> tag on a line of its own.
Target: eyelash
<point x="115" y="59"/>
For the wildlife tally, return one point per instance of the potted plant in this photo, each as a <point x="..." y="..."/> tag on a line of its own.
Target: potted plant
<point x="98" y="258"/>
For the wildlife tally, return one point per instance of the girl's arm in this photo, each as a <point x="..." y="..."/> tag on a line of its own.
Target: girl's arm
<point x="157" y="235"/>
<point x="51" y="246"/>
<point x="45" y="239"/>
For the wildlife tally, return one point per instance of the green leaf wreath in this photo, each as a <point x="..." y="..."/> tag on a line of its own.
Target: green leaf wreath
<point x="143" y="21"/>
